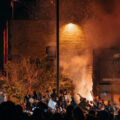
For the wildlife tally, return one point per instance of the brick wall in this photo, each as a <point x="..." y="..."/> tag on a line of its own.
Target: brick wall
<point x="30" y="38"/>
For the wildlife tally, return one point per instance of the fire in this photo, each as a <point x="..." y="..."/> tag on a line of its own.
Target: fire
<point x="90" y="98"/>
<point x="84" y="84"/>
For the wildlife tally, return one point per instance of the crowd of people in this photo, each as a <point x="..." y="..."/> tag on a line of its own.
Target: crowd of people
<point x="54" y="102"/>
<point x="49" y="106"/>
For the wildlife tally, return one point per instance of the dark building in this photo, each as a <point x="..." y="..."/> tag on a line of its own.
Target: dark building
<point x="106" y="73"/>
<point x="5" y="14"/>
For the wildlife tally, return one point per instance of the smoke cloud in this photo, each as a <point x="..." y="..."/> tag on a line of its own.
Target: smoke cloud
<point x="100" y="30"/>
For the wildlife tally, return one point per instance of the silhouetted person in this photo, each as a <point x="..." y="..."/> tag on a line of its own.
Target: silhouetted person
<point x="57" y="116"/>
<point x="1" y="97"/>
<point x="34" y="95"/>
<point x="8" y="111"/>
<point x="54" y="95"/>
<point x="39" y="96"/>
<point x="78" y="114"/>
<point x="91" y="115"/>
<point x="26" y="100"/>
<point x="37" y="114"/>
<point x="103" y="115"/>
<point x="68" y="115"/>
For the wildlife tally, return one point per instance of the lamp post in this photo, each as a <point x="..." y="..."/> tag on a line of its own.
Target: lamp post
<point x="57" y="37"/>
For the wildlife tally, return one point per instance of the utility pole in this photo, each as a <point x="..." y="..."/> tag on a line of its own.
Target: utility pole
<point x="57" y="35"/>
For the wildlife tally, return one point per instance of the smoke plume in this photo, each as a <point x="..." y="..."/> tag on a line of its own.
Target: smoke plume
<point x="100" y="30"/>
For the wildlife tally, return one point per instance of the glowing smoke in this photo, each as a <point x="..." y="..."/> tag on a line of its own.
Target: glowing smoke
<point x="79" y="70"/>
<point x="97" y="26"/>
<point x="101" y="30"/>
<point x="75" y="58"/>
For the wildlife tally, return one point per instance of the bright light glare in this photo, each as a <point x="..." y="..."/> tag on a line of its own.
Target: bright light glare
<point x="90" y="97"/>
<point x="71" y="32"/>
<point x="70" y="26"/>
<point x="72" y="29"/>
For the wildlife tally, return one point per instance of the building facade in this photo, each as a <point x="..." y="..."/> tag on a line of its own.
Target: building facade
<point x="106" y="73"/>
